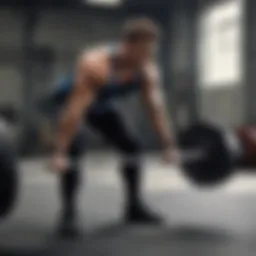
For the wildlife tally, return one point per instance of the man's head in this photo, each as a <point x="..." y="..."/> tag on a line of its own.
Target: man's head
<point x="140" y="37"/>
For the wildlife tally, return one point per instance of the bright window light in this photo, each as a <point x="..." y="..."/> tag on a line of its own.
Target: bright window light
<point x="220" y="45"/>
<point x="108" y="3"/>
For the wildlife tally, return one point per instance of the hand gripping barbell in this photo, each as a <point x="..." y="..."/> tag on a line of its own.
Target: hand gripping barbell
<point x="209" y="156"/>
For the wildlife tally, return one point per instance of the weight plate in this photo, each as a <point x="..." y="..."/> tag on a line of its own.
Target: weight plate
<point x="8" y="180"/>
<point x="217" y="165"/>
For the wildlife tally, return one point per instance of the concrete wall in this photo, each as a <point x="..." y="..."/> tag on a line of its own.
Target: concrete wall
<point x="11" y="57"/>
<point x="250" y="61"/>
<point x="182" y="88"/>
<point x="66" y="33"/>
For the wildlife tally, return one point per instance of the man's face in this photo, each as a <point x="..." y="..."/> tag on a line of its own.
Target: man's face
<point x="142" y="50"/>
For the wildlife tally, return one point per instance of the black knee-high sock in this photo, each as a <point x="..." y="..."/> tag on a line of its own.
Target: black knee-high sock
<point x="69" y="190"/>
<point x="132" y="181"/>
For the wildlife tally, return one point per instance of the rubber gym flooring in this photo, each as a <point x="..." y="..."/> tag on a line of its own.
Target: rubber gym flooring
<point x="219" y="222"/>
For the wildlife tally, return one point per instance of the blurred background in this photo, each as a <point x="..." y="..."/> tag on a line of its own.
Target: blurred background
<point x="206" y="57"/>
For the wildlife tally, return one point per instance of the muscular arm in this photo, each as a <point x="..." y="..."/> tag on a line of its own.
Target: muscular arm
<point x="154" y="102"/>
<point x="80" y="99"/>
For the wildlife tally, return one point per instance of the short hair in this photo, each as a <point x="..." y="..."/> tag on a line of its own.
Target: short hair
<point x="140" y="28"/>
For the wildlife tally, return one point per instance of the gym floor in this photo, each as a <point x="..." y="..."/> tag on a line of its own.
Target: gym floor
<point x="219" y="222"/>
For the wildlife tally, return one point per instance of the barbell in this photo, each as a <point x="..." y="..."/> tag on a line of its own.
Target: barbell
<point x="209" y="156"/>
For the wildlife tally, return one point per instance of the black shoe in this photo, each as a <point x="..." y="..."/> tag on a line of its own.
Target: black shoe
<point x="141" y="215"/>
<point x="69" y="227"/>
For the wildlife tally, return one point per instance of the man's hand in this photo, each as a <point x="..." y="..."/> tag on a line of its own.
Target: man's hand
<point x="60" y="163"/>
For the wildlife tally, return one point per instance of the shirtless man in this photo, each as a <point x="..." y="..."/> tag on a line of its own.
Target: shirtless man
<point x="101" y="75"/>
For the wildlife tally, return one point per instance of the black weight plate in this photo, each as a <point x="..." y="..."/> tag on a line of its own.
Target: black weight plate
<point x="217" y="165"/>
<point x="8" y="180"/>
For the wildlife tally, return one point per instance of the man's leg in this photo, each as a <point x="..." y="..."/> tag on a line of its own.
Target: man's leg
<point x="69" y="189"/>
<point x="113" y="129"/>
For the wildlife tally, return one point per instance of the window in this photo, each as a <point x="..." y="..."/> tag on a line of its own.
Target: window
<point x="220" y="41"/>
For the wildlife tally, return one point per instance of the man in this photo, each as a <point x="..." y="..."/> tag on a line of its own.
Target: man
<point x="101" y="75"/>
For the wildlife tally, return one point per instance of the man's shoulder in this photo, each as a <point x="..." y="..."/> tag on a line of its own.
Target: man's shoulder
<point x="95" y="57"/>
<point x="96" y="53"/>
<point x="151" y="70"/>
<point x="151" y="66"/>
<point x="96" y="61"/>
